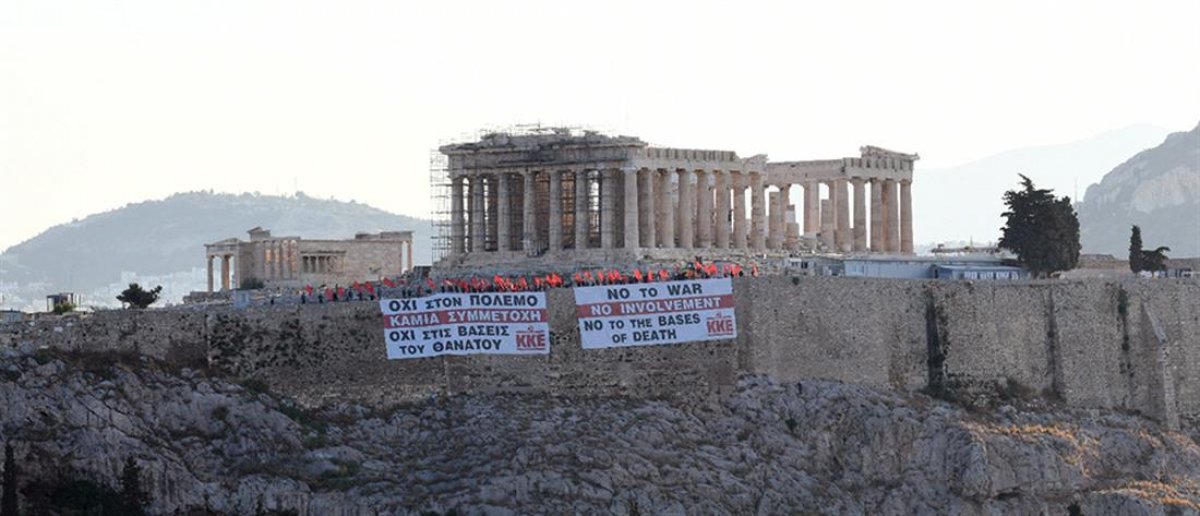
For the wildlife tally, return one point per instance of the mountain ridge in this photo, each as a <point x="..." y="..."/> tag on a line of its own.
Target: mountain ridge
<point x="1157" y="189"/>
<point x="964" y="202"/>
<point x="167" y="235"/>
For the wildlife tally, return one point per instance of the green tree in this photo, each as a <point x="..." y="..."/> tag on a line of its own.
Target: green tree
<point x="1135" y="250"/>
<point x="1041" y="229"/>
<point x="133" y="498"/>
<point x="1155" y="260"/>
<point x="137" y="297"/>
<point x="8" y="502"/>
<point x="63" y="307"/>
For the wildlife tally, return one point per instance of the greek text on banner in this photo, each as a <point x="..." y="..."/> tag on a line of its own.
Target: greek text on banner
<point x="512" y="323"/>
<point x="655" y="313"/>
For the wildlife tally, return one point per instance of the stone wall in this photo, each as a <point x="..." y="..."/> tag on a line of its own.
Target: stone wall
<point x="1132" y="345"/>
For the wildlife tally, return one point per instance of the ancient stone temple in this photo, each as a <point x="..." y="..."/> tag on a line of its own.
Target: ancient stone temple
<point x="291" y="261"/>
<point x="585" y="195"/>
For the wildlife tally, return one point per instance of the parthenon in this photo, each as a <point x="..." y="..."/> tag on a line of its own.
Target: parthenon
<point x="561" y="191"/>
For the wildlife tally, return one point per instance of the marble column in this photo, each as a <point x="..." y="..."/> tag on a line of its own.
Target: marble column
<point x="210" y="273"/>
<point x="268" y="266"/>
<point x="556" y="219"/>
<point x="281" y="258"/>
<point x="894" y="215"/>
<point x="774" y="220"/>
<point x="630" y="177"/>
<point x="877" y="216"/>
<point x="785" y="202"/>
<point x="504" y="214"/>
<point x="260" y="261"/>
<point x="721" y="189"/>
<point x="860" y="215"/>
<point x="758" y="210"/>
<point x="607" y="205"/>
<point x="491" y="213"/>
<point x="739" y="210"/>
<point x="582" y="214"/>
<point x="845" y="236"/>
<point x="276" y="260"/>
<point x="827" y="229"/>
<point x="812" y="208"/>
<point x="225" y="272"/>
<point x="906" y="234"/>
<point x="704" y="210"/>
<point x="476" y="203"/>
<point x="457" y="230"/>
<point x="529" y="213"/>
<point x="668" y="205"/>
<point x="687" y="211"/>
<point x="410" y="260"/>
<point x="647" y="206"/>
<point x="291" y="259"/>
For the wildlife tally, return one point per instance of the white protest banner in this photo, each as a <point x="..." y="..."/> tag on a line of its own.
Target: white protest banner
<point x="513" y="323"/>
<point x="647" y="314"/>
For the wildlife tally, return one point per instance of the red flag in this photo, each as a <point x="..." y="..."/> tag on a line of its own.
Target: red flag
<point x="389" y="282"/>
<point x="637" y="275"/>
<point x="432" y="286"/>
<point x="309" y="289"/>
<point x="370" y="287"/>
<point x="662" y="275"/>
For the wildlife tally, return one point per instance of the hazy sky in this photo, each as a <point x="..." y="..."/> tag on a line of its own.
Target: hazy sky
<point x="103" y="103"/>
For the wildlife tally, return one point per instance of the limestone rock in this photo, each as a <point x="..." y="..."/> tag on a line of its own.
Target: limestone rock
<point x="766" y="448"/>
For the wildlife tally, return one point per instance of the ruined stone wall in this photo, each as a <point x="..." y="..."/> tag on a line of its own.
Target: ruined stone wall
<point x="361" y="258"/>
<point x="1132" y="345"/>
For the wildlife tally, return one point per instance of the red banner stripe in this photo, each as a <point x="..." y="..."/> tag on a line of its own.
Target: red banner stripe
<point x="467" y="316"/>
<point x="654" y="306"/>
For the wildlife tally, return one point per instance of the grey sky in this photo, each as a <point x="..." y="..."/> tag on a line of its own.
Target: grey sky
<point x="105" y="103"/>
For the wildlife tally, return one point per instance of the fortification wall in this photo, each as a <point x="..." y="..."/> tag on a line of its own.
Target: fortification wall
<point x="1132" y="345"/>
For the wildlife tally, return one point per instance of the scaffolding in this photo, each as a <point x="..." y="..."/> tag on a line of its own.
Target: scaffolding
<point x="439" y="189"/>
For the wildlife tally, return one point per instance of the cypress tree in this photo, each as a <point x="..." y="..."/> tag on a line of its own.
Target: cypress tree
<point x="133" y="498"/>
<point x="1135" y="250"/>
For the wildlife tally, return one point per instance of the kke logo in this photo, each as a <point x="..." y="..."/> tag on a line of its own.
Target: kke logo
<point x="531" y="340"/>
<point x="719" y="325"/>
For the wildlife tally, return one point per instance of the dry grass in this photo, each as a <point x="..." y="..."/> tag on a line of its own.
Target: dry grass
<point x="1158" y="492"/>
<point x="1029" y="432"/>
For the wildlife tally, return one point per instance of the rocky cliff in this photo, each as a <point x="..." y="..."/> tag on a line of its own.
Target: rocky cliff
<point x="763" y="448"/>
<point x="1157" y="189"/>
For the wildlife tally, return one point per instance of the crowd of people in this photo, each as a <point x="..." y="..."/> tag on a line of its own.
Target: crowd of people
<point x="405" y="286"/>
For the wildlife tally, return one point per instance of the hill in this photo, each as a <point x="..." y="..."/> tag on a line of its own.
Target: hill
<point x="1157" y="189"/>
<point x="964" y="202"/>
<point x="162" y="237"/>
